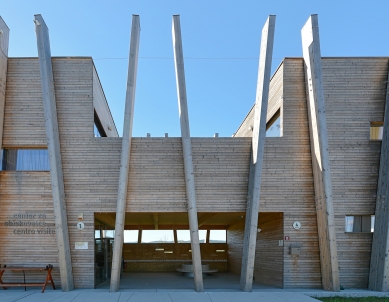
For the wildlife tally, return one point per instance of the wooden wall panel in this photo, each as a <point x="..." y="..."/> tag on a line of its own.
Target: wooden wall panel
<point x="221" y="167"/>
<point x="157" y="177"/>
<point x="355" y="90"/>
<point x="269" y="256"/>
<point x="101" y="106"/>
<point x="24" y="123"/>
<point x="29" y="193"/>
<point x="144" y="258"/>
<point x="235" y="249"/>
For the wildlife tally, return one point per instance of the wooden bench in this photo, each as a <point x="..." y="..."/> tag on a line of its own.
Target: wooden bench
<point x="49" y="279"/>
<point x="188" y="269"/>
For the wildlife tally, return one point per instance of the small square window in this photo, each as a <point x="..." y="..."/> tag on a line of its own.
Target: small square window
<point x="376" y="131"/>
<point x="359" y="223"/>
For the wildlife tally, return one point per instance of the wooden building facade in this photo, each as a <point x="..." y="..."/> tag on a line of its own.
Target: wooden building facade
<point x="287" y="253"/>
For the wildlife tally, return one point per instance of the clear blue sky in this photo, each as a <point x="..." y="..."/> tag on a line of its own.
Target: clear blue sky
<point x="221" y="47"/>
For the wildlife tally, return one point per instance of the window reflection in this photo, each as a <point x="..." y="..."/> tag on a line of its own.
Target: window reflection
<point x="273" y="126"/>
<point x="359" y="224"/>
<point x="25" y="160"/>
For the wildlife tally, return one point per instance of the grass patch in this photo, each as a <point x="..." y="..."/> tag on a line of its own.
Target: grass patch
<point x="361" y="299"/>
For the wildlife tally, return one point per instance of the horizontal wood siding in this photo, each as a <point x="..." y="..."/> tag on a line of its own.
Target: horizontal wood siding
<point x="235" y="248"/>
<point x="22" y="193"/>
<point x="24" y="123"/>
<point x="355" y="90"/>
<point x="293" y="168"/>
<point x="144" y="258"/>
<point x="221" y="167"/>
<point x="157" y="182"/>
<point x="269" y="256"/>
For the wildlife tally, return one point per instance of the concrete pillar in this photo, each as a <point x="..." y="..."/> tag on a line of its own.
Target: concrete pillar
<point x="187" y="152"/>
<point x="125" y="155"/>
<point x="258" y="147"/>
<point x="4" y="41"/>
<point x="379" y="263"/>
<point x="53" y="146"/>
<point x="320" y="155"/>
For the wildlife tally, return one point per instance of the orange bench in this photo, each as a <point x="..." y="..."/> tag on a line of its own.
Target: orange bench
<point x="49" y="278"/>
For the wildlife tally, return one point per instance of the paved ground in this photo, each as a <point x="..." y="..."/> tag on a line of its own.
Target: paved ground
<point x="157" y="281"/>
<point x="145" y="296"/>
<point x="171" y="287"/>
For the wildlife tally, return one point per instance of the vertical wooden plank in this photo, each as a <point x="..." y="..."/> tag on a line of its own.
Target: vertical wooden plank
<point x="379" y="263"/>
<point x="187" y="153"/>
<point x="320" y="155"/>
<point x="53" y="146"/>
<point x="4" y="40"/>
<point x="258" y="147"/>
<point x="125" y="155"/>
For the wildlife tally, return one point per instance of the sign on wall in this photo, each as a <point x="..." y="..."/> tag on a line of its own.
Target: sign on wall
<point x="29" y="223"/>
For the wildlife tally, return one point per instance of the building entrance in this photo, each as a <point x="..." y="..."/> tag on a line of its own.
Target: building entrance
<point x="157" y="250"/>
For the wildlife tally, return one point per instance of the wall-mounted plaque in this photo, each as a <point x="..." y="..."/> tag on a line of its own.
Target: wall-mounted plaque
<point x="81" y="245"/>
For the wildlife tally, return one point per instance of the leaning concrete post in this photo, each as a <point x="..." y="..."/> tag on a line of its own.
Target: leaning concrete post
<point x="320" y="155"/>
<point x="258" y="149"/>
<point x="379" y="263"/>
<point x="187" y="152"/>
<point x="53" y="146"/>
<point x="125" y="155"/>
<point x="4" y="40"/>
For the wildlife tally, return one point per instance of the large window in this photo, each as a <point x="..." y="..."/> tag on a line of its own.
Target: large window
<point x="273" y="126"/>
<point x="157" y="236"/>
<point x="25" y="160"/>
<point x="217" y="236"/>
<point x="359" y="224"/>
<point x="183" y="236"/>
<point x="131" y="236"/>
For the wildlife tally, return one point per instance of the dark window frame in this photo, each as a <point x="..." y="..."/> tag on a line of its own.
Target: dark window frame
<point x="99" y="126"/>
<point x="273" y="118"/>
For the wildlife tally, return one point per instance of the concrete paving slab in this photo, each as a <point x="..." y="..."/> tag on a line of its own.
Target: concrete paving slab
<point x="294" y="297"/>
<point x="189" y="297"/>
<point x="9" y="296"/>
<point x="125" y="296"/>
<point x="46" y="296"/>
<point x="244" y="297"/>
<point x="97" y="297"/>
<point x="146" y="297"/>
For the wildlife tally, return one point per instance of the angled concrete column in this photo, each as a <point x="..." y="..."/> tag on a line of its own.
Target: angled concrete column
<point x="4" y="40"/>
<point x="258" y="148"/>
<point x="187" y="152"/>
<point x="320" y="155"/>
<point x="125" y="155"/>
<point x="379" y="263"/>
<point x="53" y="146"/>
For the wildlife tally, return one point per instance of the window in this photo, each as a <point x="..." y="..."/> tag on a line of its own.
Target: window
<point x="25" y="160"/>
<point x="183" y="236"/>
<point x="98" y="127"/>
<point x="157" y="236"/>
<point x="131" y="236"/>
<point x="217" y="236"/>
<point x="376" y="131"/>
<point x="359" y="224"/>
<point x="273" y="126"/>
